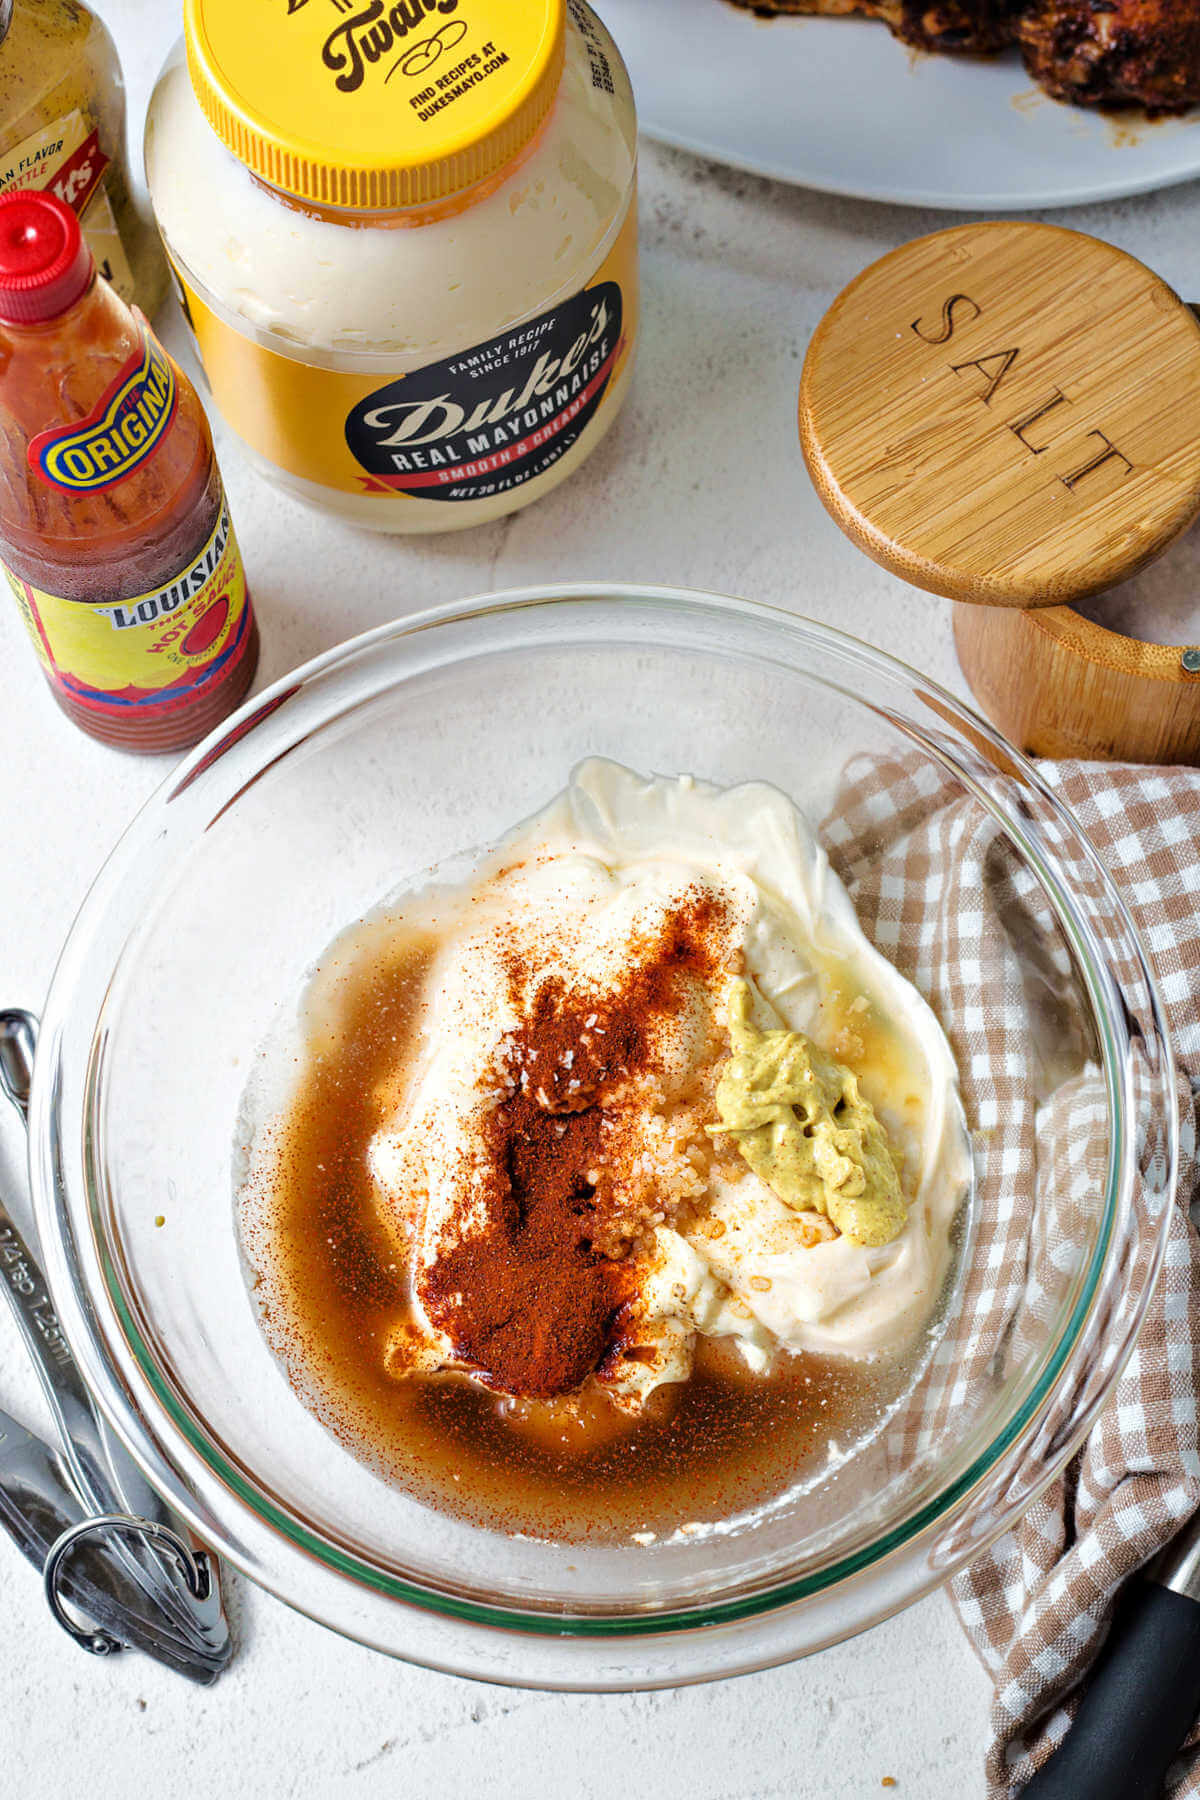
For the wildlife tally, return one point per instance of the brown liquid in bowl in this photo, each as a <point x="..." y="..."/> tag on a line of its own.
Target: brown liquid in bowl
<point x="331" y="1291"/>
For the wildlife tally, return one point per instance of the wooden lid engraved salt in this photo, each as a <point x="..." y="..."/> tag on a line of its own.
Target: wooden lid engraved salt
<point x="1009" y="414"/>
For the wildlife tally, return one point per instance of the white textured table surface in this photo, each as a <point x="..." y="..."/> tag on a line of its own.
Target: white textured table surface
<point x="700" y="484"/>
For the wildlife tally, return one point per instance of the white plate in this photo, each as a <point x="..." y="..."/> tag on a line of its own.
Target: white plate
<point x="839" y="104"/>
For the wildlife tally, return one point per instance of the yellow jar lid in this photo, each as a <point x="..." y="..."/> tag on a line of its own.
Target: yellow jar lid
<point x="372" y="104"/>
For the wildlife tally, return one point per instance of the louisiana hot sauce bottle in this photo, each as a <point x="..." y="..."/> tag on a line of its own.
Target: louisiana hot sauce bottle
<point x="114" y="528"/>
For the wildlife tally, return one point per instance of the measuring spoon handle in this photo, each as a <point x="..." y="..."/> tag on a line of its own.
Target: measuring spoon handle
<point x="104" y="1474"/>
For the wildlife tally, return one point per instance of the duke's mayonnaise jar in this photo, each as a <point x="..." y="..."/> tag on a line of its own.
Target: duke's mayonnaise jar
<point x="405" y="236"/>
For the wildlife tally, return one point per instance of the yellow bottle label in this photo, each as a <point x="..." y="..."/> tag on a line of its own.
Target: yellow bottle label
<point x="152" y="650"/>
<point x="490" y="418"/>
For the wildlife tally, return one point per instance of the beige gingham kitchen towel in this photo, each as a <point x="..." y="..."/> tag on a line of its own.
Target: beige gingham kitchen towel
<point x="940" y="892"/>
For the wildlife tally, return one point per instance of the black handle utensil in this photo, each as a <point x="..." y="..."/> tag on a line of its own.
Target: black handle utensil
<point x="1144" y="1691"/>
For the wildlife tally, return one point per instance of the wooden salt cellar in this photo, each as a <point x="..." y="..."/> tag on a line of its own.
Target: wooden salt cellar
<point x="1009" y="414"/>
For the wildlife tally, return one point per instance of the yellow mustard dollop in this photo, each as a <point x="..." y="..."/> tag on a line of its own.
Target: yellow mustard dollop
<point x="798" y="1119"/>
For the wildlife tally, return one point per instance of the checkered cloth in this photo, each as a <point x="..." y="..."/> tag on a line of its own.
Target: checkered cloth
<point x="940" y="891"/>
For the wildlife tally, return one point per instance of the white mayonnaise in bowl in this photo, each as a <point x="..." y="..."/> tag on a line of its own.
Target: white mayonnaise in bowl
<point x="405" y="237"/>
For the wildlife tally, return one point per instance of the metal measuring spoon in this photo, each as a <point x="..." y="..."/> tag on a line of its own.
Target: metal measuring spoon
<point x="173" y="1597"/>
<point x="41" y="1513"/>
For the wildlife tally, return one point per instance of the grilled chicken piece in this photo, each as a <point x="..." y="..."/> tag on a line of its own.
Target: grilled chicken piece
<point x="977" y="26"/>
<point x="1115" y="52"/>
<point x="1093" y="52"/>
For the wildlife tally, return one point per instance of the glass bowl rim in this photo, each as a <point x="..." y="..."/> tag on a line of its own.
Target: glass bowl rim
<point x="158" y="1454"/>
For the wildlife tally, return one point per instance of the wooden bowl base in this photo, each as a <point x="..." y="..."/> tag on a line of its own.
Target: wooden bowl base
<point x="1058" y="684"/>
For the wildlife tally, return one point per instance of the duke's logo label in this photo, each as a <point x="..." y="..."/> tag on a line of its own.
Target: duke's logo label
<point x="495" y="416"/>
<point x="122" y="430"/>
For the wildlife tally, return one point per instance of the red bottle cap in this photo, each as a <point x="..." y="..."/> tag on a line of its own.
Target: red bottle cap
<point x="44" y="263"/>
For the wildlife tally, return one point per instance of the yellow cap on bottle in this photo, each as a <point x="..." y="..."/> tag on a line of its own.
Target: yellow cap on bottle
<point x="371" y="104"/>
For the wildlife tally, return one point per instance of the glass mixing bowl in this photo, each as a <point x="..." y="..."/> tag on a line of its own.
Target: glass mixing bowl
<point x="391" y="754"/>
